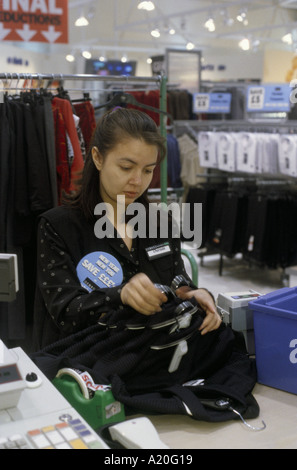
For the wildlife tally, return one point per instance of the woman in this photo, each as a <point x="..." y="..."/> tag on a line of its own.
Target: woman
<point x="83" y="272"/>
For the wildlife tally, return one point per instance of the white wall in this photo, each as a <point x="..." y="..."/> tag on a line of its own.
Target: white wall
<point x="16" y="59"/>
<point x="237" y="65"/>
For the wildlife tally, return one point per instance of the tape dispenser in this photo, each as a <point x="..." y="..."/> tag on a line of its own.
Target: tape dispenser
<point x="95" y="403"/>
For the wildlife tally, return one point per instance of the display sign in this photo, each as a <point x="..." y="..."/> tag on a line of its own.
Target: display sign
<point x="211" y="102"/>
<point x="34" y="20"/>
<point x="268" y="98"/>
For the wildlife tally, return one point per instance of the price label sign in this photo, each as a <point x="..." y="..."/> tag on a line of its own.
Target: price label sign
<point x="201" y="102"/>
<point x="269" y="98"/>
<point x="212" y="103"/>
<point x="255" y="98"/>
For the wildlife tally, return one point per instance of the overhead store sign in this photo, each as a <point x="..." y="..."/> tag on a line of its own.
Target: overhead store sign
<point x="34" y="20"/>
<point x="269" y="98"/>
<point x="212" y="102"/>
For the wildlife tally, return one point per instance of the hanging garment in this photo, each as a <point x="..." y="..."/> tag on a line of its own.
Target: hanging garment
<point x="227" y="223"/>
<point x="173" y="162"/>
<point x="226" y="148"/>
<point x="77" y="164"/>
<point x="85" y="112"/>
<point x="190" y="166"/>
<point x="207" y="148"/>
<point x="137" y="355"/>
<point x="62" y="164"/>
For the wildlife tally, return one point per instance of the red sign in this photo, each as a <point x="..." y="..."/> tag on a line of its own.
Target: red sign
<point x="34" y="20"/>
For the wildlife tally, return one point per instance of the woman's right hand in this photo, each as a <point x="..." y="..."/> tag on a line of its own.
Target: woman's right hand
<point x="142" y="295"/>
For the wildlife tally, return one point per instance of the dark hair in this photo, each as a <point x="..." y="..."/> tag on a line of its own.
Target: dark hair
<point x="113" y="127"/>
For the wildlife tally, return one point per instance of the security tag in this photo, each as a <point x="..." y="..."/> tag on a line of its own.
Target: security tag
<point x="180" y="350"/>
<point x="158" y="251"/>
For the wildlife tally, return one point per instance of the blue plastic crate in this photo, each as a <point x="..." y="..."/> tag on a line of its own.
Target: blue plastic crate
<point x="275" y="329"/>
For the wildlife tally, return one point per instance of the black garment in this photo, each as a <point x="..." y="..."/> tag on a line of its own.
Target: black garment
<point x="62" y="305"/>
<point x="227" y="223"/>
<point x="133" y="353"/>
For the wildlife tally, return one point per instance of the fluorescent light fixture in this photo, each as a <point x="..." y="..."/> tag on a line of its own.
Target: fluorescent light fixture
<point x="155" y="33"/>
<point x="81" y="21"/>
<point x="148" y="6"/>
<point x="70" y="58"/>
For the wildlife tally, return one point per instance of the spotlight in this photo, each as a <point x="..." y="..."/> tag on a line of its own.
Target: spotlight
<point x="244" y="44"/>
<point x="287" y="38"/>
<point x="81" y="21"/>
<point x="210" y="25"/>
<point x="190" y="46"/>
<point x="155" y="33"/>
<point x="70" y="58"/>
<point x="86" y="54"/>
<point x="148" y="6"/>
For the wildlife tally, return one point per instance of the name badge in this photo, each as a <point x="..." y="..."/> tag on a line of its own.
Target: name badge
<point x="158" y="251"/>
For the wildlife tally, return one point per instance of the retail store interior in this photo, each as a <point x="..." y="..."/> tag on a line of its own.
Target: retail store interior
<point x="219" y="79"/>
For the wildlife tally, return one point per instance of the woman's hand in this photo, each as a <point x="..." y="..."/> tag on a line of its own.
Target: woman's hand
<point x="212" y="320"/>
<point x="142" y="295"/>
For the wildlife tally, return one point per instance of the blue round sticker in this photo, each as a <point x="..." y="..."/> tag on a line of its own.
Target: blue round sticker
<point x="99" y="270"/>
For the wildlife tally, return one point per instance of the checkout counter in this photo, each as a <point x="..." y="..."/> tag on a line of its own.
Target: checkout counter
<point x="35" y="415"/>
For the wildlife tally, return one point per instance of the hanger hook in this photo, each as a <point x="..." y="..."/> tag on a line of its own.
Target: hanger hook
<point x="253" y="428"/>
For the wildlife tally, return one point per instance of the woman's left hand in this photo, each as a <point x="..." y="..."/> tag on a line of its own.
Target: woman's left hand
<point x="212" y="319"/>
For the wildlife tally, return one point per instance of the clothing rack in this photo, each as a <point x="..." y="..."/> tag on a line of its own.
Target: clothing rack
<point x="252" y="125"/>
<point x="159" y="81"/>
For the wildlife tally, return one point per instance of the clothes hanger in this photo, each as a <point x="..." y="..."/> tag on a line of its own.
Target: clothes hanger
<point x="125" y="98"/>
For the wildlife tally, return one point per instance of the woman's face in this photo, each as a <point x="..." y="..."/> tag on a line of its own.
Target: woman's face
<point x="127" y="170"/>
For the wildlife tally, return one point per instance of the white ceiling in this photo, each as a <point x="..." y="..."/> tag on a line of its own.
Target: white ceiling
<point x="117" y="26"/>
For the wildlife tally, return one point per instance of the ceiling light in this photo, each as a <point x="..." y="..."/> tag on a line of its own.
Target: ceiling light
<point x="124" y="59"/>
<point x="210" y="25"/>
<point x="149" y="60"/>
<point x="86" y="54"/>
<point x="148" y="6"/>
<point x="172" y="31"/>
<point x="70" y="58"/>
<point x="244" y="44"/>
<point x="81" y="21"/>
<point x="288" y="39"/>
<point x="102" y="58"/>
<point x="190" y="46"/>
<point x="155" y="33"/>
<point x="242" y="16"/>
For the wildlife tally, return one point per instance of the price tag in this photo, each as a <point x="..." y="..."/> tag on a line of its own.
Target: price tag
<point x="256" y="98"/>
<point x="201" y="102"/>
<point x="212" y="103"/>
